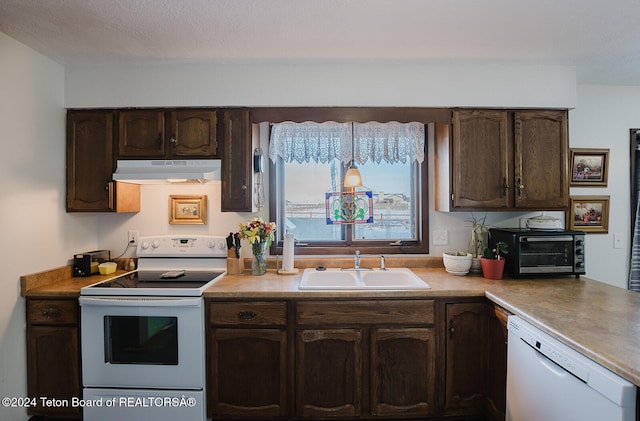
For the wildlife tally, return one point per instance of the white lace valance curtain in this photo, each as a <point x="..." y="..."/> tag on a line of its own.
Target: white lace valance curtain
<point x="321" y="142"/>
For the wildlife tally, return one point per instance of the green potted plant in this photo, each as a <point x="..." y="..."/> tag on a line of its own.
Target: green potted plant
<point x="476" y="244"/>
<point x="492" y="261"/>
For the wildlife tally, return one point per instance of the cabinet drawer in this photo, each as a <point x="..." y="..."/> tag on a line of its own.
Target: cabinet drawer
<point x="52" y="311"/>
<point x="365" y="312"/>
<point x="252" y="313"/>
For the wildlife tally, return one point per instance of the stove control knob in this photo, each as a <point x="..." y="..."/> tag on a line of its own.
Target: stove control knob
<point x="222" y="245"/>
<point x="144" y="245"/>
<point x="211" y="244"/>
<point x="155" y="244"/>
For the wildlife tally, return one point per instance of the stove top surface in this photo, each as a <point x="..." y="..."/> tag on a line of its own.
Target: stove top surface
<point x="156" y="282"/>
<point x="169" y="266"/>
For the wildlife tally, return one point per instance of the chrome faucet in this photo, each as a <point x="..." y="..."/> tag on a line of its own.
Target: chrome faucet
<point x="356" y="260"/>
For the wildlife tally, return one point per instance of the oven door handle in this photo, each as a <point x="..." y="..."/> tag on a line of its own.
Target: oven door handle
<point x="559" y="238"/>
<point x="140" y="302"/>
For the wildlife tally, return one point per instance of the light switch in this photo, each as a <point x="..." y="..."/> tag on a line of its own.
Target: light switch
<point x="440" y="238"/>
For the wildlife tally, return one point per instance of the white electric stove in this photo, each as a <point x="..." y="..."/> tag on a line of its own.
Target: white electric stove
<point x="143" y="347"/>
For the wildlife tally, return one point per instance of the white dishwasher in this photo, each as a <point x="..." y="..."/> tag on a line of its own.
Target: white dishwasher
<point x="549" y="381"/>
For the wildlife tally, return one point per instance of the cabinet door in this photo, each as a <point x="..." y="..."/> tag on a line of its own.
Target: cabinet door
<point x="141" y="134"/>
<point x="90" y="162"/>
<point x="236" y="164"/>
<point x="541" y="162"/>
<point x="496" y="388"/>
<point x="194" y="133"/>
<point x="53" y="367"/>
<point x="464" y="358"/>
<point x="402" y="371"/>
<point x="248" y="373"/>
<point x="481" y="158"/>
<point x="329" y="372"/>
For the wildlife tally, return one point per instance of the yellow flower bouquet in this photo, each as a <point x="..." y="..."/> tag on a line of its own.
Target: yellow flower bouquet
<point x="260" y="235"/>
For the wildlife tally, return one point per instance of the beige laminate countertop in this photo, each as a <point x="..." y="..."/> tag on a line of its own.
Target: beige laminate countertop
<point x="599" y="320"/>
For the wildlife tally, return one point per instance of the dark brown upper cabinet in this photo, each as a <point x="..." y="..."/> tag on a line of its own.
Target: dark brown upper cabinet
<point x="502" y="160"/>
<point x="90" y="165"/>
<point x="168" y="134"/>
<point x="237" y="169"/>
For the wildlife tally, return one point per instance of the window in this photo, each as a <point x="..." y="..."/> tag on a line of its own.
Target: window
<point x="309" y="160"/>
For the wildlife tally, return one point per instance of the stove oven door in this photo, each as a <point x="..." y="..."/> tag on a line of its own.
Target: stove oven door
<point x="143" y="342"/>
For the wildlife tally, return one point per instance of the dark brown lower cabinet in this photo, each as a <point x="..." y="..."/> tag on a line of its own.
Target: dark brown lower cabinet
<point x="53" y="356"/>
<point x="365" y="358"/>
<point x="465" y="367"/>
<point x="348" y="359"/>
<point x="329" y="372"/>
<point x="402" y="371"/>
<point x="247" y="360"/>
<point x="496" y="380"/>
<point x="249" y="372"/>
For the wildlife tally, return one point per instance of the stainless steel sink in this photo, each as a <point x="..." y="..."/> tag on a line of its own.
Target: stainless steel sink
<point x="337" y="279"/>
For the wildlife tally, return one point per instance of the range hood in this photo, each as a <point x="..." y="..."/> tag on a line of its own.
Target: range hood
<point x="158" y="171"/>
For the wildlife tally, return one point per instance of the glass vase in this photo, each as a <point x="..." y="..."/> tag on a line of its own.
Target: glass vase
<point x="259" y="262"/>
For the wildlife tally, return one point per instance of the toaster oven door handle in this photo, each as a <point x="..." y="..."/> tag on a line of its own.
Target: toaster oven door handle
<point x="559" y="238"/>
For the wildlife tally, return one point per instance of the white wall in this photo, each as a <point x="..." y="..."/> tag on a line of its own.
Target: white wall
<point x="367" y="83"/>
<point x="37" y="232"/>
<point x="602" y="119"/>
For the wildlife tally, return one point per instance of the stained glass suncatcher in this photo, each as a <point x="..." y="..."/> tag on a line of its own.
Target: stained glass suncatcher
<point x="349" y="207"/>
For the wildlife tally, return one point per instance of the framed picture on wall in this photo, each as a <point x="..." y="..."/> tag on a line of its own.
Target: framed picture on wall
<point x="589" y="167"/>
<point x="589" y="214"/>
<point x="188" y="209"/>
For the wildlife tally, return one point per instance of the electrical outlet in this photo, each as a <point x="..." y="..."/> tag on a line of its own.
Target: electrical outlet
<point x="133" y="237"/>
<point x="440" y="238"/>
<point x="618" y="240"/>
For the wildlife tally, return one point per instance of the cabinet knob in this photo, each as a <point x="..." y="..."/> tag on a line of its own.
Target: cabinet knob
<point x="505" y="186"/>
<point x="520" y="187"/>
<point x="173" y="140"/>
<point x="451" y="329"/>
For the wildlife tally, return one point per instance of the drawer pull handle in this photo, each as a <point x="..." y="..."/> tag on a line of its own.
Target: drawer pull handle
<point x="247" y="315"/>
<point x="51" y="312"/>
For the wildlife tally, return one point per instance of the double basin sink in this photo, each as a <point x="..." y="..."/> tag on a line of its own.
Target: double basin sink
<point x="341" y="279"/>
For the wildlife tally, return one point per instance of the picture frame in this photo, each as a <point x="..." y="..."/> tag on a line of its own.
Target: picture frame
<point x="188" y="209"/>
<point x="589" y="214"/>
<point x="589" y="167"/>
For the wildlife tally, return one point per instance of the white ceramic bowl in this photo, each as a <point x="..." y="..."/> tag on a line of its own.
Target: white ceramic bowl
<point x="457" y="263"/>
<point x="107" y="268"/>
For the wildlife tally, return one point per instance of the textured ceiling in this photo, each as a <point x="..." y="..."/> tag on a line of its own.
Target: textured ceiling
<point x="600" y="38"/>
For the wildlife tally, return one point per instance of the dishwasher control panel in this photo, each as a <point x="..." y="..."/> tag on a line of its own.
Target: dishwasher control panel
<point x="557" y="356"/>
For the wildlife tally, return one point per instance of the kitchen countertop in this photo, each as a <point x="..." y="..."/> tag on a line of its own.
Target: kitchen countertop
<point x="599" y="320"/>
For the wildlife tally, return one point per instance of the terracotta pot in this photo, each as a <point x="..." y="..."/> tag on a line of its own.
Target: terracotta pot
<point x="492" y="268"/>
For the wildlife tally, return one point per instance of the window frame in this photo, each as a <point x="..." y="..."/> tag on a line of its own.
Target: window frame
<point x="349" y="246"/>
